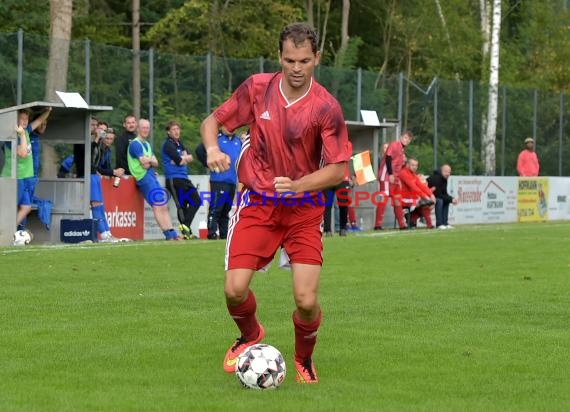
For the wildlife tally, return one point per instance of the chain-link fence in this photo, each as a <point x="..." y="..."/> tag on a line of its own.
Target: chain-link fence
<point x="447" y="117"/>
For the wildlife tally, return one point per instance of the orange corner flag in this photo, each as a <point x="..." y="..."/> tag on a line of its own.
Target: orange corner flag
<point x="363" y="168"/>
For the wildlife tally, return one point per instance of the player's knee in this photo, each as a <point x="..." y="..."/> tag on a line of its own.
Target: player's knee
<point x="235" y="294"/>
<point x="306" y="302"/>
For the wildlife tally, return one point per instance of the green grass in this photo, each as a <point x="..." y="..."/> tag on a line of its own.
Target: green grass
<point x="472" y="319"/>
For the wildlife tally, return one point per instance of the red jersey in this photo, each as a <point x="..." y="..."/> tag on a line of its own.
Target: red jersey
<point x="412" y="184"/>
<point x="396" y="152"/>
<point x="527" y="163"/>
<point x="286" y="139"/>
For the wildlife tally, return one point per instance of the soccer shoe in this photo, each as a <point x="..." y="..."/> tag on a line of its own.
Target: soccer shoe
<point x="306" y="372"/>
<point x="186" y="232"/>
<point x="237" y="349"/>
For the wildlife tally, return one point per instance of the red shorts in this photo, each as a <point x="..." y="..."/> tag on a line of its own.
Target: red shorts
<point x="260" y="226"/>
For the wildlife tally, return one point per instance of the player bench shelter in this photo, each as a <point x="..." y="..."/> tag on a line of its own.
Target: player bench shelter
<point x="70" y="196"/>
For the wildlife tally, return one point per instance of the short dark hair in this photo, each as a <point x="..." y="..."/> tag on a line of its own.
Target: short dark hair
<point x="172" y="123"/>
<point x="299" y="33"/>
<point x="409" y="133"/>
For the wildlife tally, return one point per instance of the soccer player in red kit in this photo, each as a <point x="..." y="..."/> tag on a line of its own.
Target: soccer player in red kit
<point x="297" y="146"/>
<point x="413" y="189"/>
<point x="389" y="178"/>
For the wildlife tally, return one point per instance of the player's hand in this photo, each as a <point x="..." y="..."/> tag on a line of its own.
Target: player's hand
<point x="391" y="179"/>
<point x="119" y="172"/>
<point x="454" y="201"/>
<point x="284" y="184"/>
<point x="19" y="130"/>
<point x="217" y="160"/>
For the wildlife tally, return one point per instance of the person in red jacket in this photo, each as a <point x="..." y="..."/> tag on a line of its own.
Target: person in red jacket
<point x="416" y="193"/>
<point x="527" y="162"/>
<point x="389" y="178"/>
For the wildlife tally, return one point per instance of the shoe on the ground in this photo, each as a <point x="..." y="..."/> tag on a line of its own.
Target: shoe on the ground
<point x="186" y="232"/>
<point x="110" y="239"/>
<point x="237" y="348"/>
<point x="449" y="227"/>
<point x="378" y="228"/>
<point x="342" y="232"/>
<point x="306" y="372"/>
<point x="328" y="233"/>
<point x="442" y="227"/>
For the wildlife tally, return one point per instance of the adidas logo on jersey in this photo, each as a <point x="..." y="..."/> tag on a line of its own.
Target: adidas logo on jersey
<point x="265" y="115"/>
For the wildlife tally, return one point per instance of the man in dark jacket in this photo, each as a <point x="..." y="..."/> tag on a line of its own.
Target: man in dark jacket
<point x="122" y="143"/>
<point x="442" y="199"/>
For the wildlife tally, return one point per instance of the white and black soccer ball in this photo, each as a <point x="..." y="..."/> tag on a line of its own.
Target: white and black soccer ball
<point x="261" y="366"/>
<point x="22" y="238"/>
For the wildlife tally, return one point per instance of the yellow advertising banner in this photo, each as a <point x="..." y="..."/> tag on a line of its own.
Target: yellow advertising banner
<point x="532" y="199"/>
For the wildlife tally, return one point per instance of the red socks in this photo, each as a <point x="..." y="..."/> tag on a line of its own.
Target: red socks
<point x="305" y="336"/>
<point x="244" y="316"/>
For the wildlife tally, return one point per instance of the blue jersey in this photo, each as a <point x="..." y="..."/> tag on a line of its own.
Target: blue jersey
<point x="35" y="142"/>
<point x="171" y="154"/>
<point x="232" y="147"/>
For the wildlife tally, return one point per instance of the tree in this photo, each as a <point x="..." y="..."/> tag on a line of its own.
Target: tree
<point x="56" y="78"/>
<point x="490" y="133"/>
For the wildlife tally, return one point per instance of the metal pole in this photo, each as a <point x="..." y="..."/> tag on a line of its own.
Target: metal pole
<point x="151" y="93"/>
<point x="435" y="142"/>
<point x="261" y="64"/>
<point x="534" y="115"/>
<point x="88" y="71"/>
<point x="560" y="133"/>
<point x="208" y="82"/>
<point x="358" y="93"/>
<point x="504" y="131"/>
<point x="20" y="66"/>
<point x="470" y="131"/>
<point x="400" y="101"/>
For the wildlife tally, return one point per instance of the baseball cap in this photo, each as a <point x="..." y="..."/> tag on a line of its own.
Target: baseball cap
<point x="529" y="140"/>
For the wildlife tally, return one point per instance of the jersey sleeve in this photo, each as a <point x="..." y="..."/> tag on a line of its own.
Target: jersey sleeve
<point x="237" y="111"/>
<point x="335" y="136"/>
<point x="136" y="150"/>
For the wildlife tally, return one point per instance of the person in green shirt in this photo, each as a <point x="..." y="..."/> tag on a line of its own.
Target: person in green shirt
<point x="25" y="162"/>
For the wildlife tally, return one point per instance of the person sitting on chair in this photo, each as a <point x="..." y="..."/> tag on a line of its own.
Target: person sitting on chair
<point x="416" y="193"/>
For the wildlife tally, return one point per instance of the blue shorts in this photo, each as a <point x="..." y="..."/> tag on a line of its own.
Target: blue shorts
<point x="26" y="188"/>
<point x="96" y="194"/>
<point x="153" y="192"/>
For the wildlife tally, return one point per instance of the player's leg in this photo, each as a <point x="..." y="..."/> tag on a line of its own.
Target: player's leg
<point x="190" y="201"/>
<point x="226" y="208"/>
<point x="24" y="201"/>
<point x="149" y="187"/>
<point x="439" y="212"/>
<point x="397" y="204"/>
<point x="384" y="188"/>
<point x="97" y="208"/>
<point x="306" y="319"/>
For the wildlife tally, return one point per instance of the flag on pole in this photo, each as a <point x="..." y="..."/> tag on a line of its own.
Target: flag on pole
<point x="363" y="168"/>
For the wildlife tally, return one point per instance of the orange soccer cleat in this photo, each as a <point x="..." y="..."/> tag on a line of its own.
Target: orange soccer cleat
<point x="305" y="371"/>
<point x="237" y="348"/>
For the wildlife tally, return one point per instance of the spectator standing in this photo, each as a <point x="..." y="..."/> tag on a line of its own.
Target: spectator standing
<point x="141" y="164"/>
<point x="122" y="143"/>
<point x="527" y="162"/>
<point x="175" y="160"/>
<point x="438" y="180"/>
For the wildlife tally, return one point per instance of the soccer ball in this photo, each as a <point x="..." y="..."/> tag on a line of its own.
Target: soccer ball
<point x="22" y="237"/>
<point x="261" y="366"/>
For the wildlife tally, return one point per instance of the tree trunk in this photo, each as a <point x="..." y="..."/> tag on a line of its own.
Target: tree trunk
<point x="309" y="10"/>
<point x="339" y="61"/>
<point x="136" y="28"/>
<point x="325" y="23"/>
<point x="490" y="135"/>
<point x="485" y="14"/>
<point x="56" y="78"/>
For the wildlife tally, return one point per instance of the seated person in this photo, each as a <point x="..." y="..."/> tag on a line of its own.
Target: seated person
<point x="416" y="193"/>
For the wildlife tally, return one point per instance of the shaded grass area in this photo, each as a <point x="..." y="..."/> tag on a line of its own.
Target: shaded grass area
<point x="471" y="319"/>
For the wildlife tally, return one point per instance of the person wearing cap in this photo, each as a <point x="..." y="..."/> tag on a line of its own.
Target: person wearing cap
<point x="527" y="162"/>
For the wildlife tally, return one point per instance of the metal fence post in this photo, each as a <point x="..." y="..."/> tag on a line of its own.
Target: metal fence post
<point x="560" y="133"/>
<point x="358" y="93"/>
<point x="435" y="137"/>
<point x="261" y="64"/>
<point x="534" y="115"/>
<point x="400" y="100"/>
<point x="151" y="93"/>
<point x="470" y="131"/>
<point x="87" y="71"/>
<point x="20" y="66"/>
<point x="208" y="82"/>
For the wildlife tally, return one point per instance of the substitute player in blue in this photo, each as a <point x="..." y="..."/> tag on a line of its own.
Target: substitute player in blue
<point x="141" y="165"/>
<point x="223" y="187"/>
<point x="175" y="160"/>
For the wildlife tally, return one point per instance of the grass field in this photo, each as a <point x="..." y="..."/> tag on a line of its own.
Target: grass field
<point x="474" y="319"/>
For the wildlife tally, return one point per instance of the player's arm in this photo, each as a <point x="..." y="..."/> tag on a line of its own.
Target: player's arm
<point x="330" y="175"/>
<point x="41" y="118"/>
<point x="22" y="148"/>
<point x="216" y="159"/>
